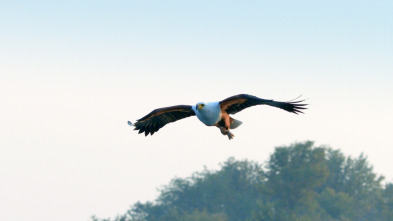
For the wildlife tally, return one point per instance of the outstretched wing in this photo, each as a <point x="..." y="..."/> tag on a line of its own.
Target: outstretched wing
<point x="158" y="118"/>
<point x="237" y="103"/>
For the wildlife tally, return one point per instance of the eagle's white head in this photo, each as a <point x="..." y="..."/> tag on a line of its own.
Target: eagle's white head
<point x="208" y="113"/>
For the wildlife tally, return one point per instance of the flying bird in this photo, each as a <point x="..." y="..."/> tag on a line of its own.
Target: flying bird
<point x="211" y="113"/>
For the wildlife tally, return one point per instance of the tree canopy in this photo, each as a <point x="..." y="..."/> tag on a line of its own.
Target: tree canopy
<point x="299" y="182"/>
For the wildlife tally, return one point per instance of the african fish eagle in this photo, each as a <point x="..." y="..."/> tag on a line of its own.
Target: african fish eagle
<point x="211" y="114"/>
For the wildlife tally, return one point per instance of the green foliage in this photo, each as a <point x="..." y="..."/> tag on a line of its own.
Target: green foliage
<point x="203" y="216"/>
<point x="336" y="205"/>
<point x="298" y="183"/>
<point x="385" y="204"/>
<point x="294" y="173"/>
<point x="233" y="191"/>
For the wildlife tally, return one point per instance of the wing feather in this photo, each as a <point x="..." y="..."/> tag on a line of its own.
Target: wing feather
<point x="237" y="103"/>
<point x="158" y="118"/>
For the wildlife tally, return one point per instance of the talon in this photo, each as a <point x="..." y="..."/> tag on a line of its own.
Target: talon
<point x="230" y="135"/>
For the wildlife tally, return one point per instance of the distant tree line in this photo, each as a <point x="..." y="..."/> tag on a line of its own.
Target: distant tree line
<point x="299" y="182"/>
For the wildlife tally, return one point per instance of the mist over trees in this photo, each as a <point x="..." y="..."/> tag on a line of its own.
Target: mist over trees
<point x="300" y="182"/>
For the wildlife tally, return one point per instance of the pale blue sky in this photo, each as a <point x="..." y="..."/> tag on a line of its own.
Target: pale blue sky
<point x="73" y="73"/>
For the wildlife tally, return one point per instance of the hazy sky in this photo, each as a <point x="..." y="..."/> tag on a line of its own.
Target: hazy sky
<point x="73" y="73"/>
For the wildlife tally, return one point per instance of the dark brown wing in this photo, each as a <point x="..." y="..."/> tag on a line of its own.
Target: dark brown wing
<point x="158" y="118"/>
<point x="237" y="103"/>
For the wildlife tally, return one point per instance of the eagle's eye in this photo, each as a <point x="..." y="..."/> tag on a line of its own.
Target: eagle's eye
<point x="200" y="106"/>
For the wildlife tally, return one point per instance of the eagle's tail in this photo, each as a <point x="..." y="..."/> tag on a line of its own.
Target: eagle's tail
<point x="235" y="123"/>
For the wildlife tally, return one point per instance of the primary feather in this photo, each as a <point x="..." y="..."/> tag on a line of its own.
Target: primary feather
<point x="158" y="118"/>
<point x="237" y="103"/>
